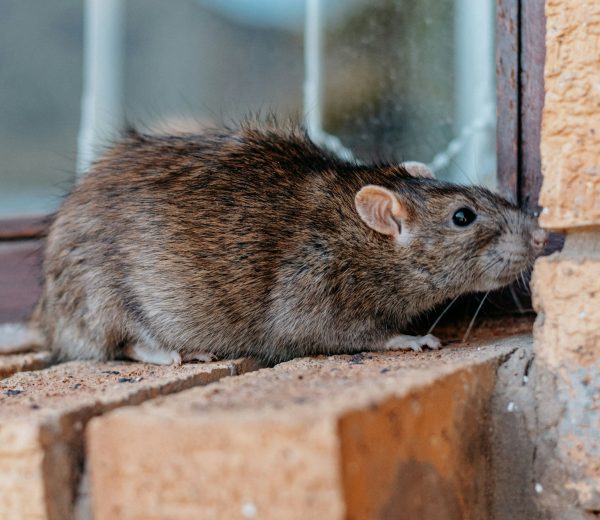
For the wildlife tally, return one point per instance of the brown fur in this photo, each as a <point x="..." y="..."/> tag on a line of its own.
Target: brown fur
<point x="247" y="241"/>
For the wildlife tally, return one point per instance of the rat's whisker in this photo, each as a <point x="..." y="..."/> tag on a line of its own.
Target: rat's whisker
<point x="519" y="281"/>
<point x="517" y="285"/>
<point x="526" y="287"/>
<point x="523" y="281"/>
<point x="474" y="317"/>
<point x="516" y="299"/>
<point x="441" y="315"/>
<point x="492" y="263"/>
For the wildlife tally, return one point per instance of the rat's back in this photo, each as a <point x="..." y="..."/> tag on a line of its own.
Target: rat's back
<point x="174" y="243"/>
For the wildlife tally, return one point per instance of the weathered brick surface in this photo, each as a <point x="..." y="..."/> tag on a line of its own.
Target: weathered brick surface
<point x="20" y="350"/>
<point x="567" y="298"/>
<point x="43" y="415"/>
<point x="513" y="414"/>
<point x="9" y="364"/>
<point x="389" y="435"/>
<point x="571" y="119"/>
<point x="567" y="285"/>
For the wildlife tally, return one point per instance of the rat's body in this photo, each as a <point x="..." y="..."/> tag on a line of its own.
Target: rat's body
<point x="256" y="242"/>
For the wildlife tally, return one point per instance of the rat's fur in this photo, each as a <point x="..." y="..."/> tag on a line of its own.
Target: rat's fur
<point x="248" y="241"/>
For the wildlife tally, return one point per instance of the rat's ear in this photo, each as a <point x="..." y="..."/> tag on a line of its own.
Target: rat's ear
<point x="380" y="209"/>
<point x="418" y="169"/>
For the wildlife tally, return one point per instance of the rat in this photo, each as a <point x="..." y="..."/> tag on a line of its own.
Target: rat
<point x="254" y="241"/>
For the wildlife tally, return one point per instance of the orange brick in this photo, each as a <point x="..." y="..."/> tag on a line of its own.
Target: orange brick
<point x="43" y="416"/>
<point x="571" y="118"/>
<point x="356" y="437"/>
<point x="9" y="364"/>
<point x="567" y="346"/>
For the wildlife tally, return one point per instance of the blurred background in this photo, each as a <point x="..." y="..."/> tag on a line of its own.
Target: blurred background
<point x="377" y="79"/>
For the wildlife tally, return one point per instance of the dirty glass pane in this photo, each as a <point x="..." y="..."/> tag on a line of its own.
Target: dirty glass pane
<point x="195" y="62"/>
<point x="187" y="63"/>
<point x="404" y="78"/>
<point x="40" y="89"/>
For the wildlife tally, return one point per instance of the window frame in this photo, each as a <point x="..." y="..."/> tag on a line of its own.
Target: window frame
<point x="520" y="54"/>
<point x="520" y="57"/>
<point x="20" y="265"/>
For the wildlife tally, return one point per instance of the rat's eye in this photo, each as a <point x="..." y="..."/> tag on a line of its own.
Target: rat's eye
<point x="463" y="217"/>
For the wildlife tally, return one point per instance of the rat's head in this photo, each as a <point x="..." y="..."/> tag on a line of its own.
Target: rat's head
<point x="454" y="238"/>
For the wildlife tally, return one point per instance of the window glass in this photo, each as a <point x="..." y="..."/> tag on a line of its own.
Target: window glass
<point x="415" y="80"/>
<point x="401" y="80"/>
<point x="192" y="62"/>
<point x="40" y="89"/>
<point x="186" y="63"/>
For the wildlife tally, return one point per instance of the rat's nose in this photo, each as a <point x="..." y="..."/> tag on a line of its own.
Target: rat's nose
<point x="539" y="239"/>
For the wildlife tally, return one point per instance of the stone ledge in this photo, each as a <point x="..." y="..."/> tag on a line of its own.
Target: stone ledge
<point x="13" y="363"/>
<point x="340" y="437"/>
<point x="43" y="416"/>
<point x="20" y="350"/>
<point x="566" y="295"/>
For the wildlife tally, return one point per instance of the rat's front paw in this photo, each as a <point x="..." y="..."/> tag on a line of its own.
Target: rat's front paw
<point x="416" y="343"/>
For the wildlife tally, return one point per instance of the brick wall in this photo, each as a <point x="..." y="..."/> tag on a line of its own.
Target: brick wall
<point x="567" y="285"/>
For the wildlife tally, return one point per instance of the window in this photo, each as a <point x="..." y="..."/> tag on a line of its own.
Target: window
<point x="383" y="79"/>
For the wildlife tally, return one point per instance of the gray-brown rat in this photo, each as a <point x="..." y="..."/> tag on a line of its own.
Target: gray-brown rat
<point x="255" y="241"/>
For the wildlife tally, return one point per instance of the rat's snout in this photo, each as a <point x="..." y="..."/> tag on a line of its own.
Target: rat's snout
<point x="539" y="239"/>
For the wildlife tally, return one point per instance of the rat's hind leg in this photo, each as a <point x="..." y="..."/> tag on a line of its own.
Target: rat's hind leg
<point x="147" y="350"/>
<point x="148" y="353"/>
<point x="416" y="343"/>
<point x="202" y="357"/>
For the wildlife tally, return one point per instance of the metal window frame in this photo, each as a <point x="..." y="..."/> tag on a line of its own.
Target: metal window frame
<point x="520" y="56"/>
<point x="520" y="48"/>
